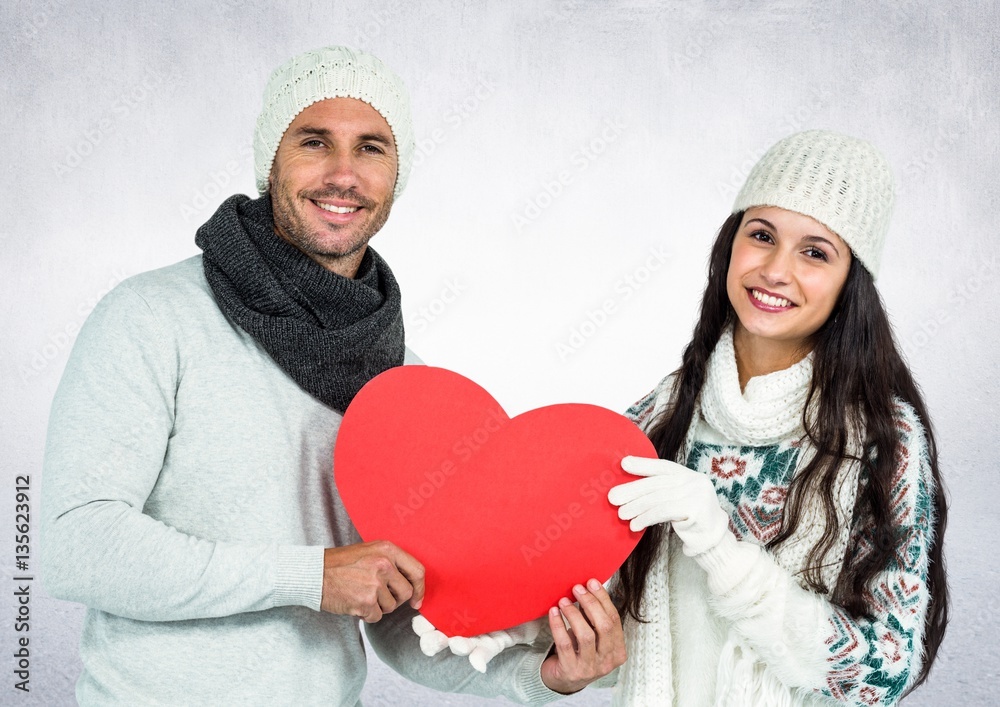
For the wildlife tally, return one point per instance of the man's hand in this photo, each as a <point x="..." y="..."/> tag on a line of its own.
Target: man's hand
<point x="370" y="579"/>
<point x="593" y="646"/>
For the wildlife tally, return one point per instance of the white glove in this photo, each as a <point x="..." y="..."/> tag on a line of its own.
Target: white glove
<point x="673" y="494"/>
<point x="480" y="649"/>
<point x="432" y="641"/>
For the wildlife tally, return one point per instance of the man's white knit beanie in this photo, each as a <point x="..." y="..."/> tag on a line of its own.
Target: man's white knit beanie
<point x="331" y="72"/>
<point x="842" y="182"/>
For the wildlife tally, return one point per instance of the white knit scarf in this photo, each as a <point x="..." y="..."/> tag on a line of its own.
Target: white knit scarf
<point x="769" y="411"/>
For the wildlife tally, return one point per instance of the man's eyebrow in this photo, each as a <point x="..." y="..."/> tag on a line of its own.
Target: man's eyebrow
<point x="310" y="130"/>
<point x="376" y="137"/>
<point x="323" y="132"/>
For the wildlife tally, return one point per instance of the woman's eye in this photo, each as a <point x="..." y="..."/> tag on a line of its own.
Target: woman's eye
<point x="762" y="236"/>
<point x="816" y="253"/>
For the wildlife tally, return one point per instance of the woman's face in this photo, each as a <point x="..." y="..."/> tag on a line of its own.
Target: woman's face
<point x="785" y="275"/>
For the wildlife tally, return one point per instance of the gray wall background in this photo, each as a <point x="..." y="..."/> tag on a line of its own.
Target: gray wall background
<point x="571" y="154"/>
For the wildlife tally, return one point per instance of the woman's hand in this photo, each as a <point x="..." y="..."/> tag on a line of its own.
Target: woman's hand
<point x="592" y="647"/>
<point x="671" y="493"/>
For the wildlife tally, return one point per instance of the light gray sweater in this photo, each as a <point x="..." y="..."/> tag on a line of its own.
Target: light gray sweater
<point x="187" y="497"/>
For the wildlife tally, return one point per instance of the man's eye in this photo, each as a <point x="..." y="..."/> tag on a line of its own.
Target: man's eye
<point x="372" y="149"/>
<point x="313" y="143"/>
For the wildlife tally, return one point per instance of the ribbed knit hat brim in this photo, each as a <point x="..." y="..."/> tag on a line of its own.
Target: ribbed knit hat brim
<point x="332" y="72"/>
<point x="841" y="181"/>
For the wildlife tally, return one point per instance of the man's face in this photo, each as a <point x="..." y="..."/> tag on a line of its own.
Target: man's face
<point x="332" y="181"/>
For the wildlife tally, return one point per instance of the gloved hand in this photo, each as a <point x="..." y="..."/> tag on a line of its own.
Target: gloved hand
<point x="675" y="494"/>
<point x="480" y="649"/>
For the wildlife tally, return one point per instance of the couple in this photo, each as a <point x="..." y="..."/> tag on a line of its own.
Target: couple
<point x="792" y="557"/>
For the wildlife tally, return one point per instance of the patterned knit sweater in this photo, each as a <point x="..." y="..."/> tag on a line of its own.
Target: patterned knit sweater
<point x="726" y="632"/>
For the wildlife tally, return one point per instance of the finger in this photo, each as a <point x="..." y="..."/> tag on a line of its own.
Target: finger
<point x="412" y="570"/>
<point x="433" y="642"/>
<point x="400" y="587"/>
<point x="373" y="614"/>
<point x="601" y="594"/>
<point x="483" y="654"/>
<point x="623" y="493"/>
<point x="565" y="650"/>
<point x="640" y="505"/>
<point x="386" y="602"/>
<point x="460" y="645"/>
<point x="580" y="628"/>
<point x="644" y="466"/>
<point x="421" y="625"/>
<point x="631" y="490"/>
<point x="609" y="639"/>
<point x="642" y="522"/>
<point x="593" y="611"/>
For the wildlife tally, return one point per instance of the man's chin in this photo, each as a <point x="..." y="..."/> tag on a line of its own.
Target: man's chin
<point x="334" y="253"/>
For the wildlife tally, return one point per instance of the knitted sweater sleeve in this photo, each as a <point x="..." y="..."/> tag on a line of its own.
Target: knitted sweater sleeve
<point x="814" y="645"/>
<point x="108" y="435"/>
<point x="645" y="410"/>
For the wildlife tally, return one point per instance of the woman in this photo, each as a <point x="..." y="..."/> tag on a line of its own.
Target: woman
<point x="795" y="557"/>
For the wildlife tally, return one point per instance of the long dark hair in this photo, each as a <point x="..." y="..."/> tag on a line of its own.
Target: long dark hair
<point x="858" y="375"/>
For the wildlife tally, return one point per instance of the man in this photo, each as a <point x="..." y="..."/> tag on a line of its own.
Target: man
<point x="188" y="498"/>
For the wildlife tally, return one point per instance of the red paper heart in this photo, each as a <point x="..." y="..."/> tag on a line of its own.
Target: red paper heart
<point x="505" y="514"/>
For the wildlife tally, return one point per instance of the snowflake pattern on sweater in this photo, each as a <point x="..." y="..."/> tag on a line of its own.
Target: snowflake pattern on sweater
<point x="871" y="659"/>
<point x="751" y="483"/>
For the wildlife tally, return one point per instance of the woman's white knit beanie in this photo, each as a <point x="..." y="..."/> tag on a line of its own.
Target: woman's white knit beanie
<point x="842" y="182"/>
<point x="332" y="72"/>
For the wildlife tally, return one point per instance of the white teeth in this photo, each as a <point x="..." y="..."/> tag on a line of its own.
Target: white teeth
<point x="336" y="209"/>
<point x="769" y="300"/>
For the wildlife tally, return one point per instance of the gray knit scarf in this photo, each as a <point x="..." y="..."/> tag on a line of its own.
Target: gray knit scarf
<point x="331" y="334"/>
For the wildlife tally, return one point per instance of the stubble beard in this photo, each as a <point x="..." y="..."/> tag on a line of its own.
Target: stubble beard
<point x="292" y="226"/>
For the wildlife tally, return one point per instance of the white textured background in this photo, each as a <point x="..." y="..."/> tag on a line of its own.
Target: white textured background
<point x="572" y="153"/>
